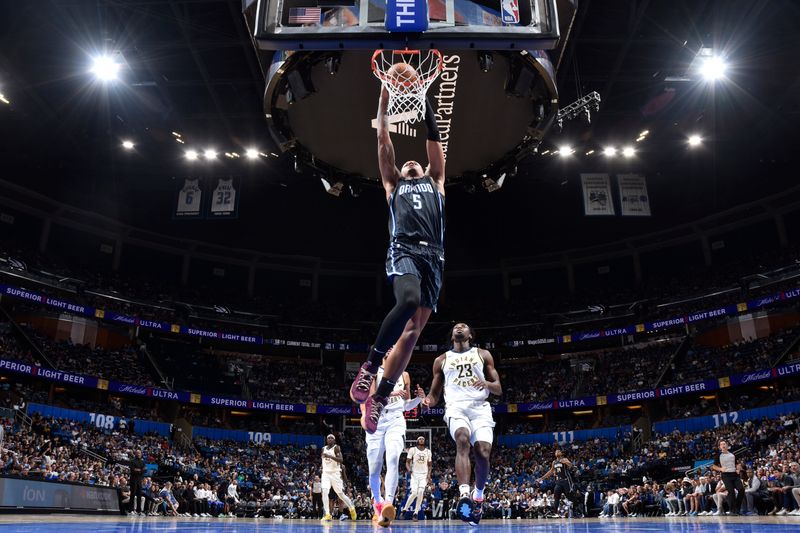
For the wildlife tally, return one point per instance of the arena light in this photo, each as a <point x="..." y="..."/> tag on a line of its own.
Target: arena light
<point x="609" y="151"/>
<point x="628" y="151"/>
<point x="565" y="151"/>
<point x="633" y="407"/>
<point x="536" y="416"/>
<point x="713" y="68"/>
<point x="210" y="154"/>
<point x="582" y="412"/>
<point x="128" y="145"/>
<point x="695" y="140"/>
<point x="4" y="99"/>
<point x="590" y="152"/>
<point x="251" y="153"/>
<point x="176" y="134"/>
<point x="191" y="155"/>
<point x="105" y="68"/>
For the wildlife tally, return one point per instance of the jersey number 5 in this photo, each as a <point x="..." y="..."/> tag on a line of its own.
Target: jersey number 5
<point x="417" y="199"/>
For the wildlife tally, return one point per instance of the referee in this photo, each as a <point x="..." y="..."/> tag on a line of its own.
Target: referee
<point x="730" y="477"/>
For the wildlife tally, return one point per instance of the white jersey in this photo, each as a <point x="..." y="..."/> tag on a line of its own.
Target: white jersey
<point x="189" y="197"/>
<point x="396" y="403"/>
<point x="419" y="460"/>
<point x="329" y="466"/>
<point x="224" y="197"/>
<point x="461" y="371"/>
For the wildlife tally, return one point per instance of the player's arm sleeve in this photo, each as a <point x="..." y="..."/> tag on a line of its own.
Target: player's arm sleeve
<point x="434" y="147"/>
<point x="493" y="378"/>
<point x="386" y="160"/>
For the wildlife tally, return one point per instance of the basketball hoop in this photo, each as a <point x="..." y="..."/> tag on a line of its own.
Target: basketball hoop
<point x="407" y="93"/>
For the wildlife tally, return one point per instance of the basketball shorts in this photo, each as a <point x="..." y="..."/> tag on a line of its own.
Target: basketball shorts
<point x="475" y="417"/>
<point x="391" y="429"/>
<point x="332" y="481"/>
<point x="418" y="482"/>
<point x="424" y="262"/>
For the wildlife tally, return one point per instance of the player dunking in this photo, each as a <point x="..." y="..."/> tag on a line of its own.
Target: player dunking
<point x="468" y="376"/>
<point x="389" y="439"/>
<point x="418" y="463"/>
<point x="332" y="465"/>
<point x="414" y="262"/>
<point x="560" y="470"/>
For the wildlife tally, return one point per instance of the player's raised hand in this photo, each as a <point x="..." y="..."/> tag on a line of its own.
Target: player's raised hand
<point x="428" y="402"/>
<point x="420" y="392"/>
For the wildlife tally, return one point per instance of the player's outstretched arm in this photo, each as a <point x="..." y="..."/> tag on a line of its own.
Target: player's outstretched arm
<point x="492" y="377"/>
<point x="436" y="384"/>
<point x="389" y="173"/>
<point x="434" y="147"/>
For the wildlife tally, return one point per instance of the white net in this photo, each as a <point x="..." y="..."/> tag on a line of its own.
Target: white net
<point x="406" y="75"/>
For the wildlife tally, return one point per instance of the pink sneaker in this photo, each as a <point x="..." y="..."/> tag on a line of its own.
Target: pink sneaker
<point x="359" y="390"/>
<point x="372" y="413"/>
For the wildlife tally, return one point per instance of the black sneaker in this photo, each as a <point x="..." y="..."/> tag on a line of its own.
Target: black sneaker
<point x="464" y="508"/>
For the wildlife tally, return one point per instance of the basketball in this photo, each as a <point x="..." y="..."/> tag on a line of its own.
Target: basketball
<point x="403" y="76"/>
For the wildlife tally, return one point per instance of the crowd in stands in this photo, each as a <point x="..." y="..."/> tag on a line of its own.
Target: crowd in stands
<point x="157" y="299"/>
<point x="703" y="362"/>
<point x="233" y="479"/>
<point x="190" y="366"/>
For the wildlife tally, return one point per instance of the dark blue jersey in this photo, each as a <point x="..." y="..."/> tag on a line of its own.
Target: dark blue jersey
<point x="416" y="212"/>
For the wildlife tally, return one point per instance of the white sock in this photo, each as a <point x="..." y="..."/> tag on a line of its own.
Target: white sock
<point x="478" y="493"/>
<point x="463" y="489"/>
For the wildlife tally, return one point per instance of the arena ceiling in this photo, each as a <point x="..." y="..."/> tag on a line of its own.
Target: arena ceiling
<point x="188" y="67"/>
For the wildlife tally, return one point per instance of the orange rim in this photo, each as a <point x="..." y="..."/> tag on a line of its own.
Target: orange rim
<point x="382" y="75"/>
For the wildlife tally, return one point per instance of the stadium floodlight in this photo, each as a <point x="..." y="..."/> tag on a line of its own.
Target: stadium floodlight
<point x="251" y="153"/>
<point x="713" y="68"/>
<point x="105" y="68"/>
<point x="565" y="151"/>
<point x="628" y="151"/>
<point x="210" y="154"/>
<point x="609" y="151"/>
<point x="695" y="140"/>
<point x="191" y="155"/>
<point x="128" y="145"/>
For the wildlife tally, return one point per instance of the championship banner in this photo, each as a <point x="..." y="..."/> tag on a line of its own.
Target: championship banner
<point x="597" y="195"/>
<point x="189" y="199"/>
<point x="633" y="198"/>
<point x="225" y="198"/>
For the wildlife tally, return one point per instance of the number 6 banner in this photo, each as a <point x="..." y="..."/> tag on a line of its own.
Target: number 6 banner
<point x="225" y="199"/>
<point x="189" y="200"/>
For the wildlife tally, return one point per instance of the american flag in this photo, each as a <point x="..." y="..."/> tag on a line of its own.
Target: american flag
<point x="304" y="15"/>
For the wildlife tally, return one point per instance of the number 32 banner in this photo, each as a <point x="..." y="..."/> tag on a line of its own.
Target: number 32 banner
<point x="225" y="198"/>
